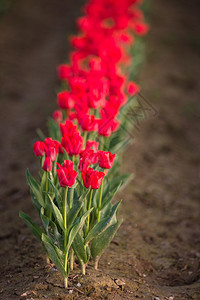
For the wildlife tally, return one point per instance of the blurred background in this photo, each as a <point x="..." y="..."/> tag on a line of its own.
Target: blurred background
<point x="157" y="251"/>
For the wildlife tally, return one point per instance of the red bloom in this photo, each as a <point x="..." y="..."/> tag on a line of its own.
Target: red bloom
<point x="66" y="174"/>
<point x="68" y="128"/>
<point x="92" y="178"/>
<point x="64" y="71"/>
<point x="52" y="153"/>
<point x="87" y="157"/>
<point x="53" y="145"/>
<point x="57" y="116"/>
<point x="72" y="144"/>
<point x="39" y="148"/>
<point x="92" y="145"/>
<point x="106" y="159"/>
<point x="65" y="100"/>
<point x="88" y="122"/>
<point x="133" y="88"/>
<point x="47" y="166"/>
<point x="107" y="126"/>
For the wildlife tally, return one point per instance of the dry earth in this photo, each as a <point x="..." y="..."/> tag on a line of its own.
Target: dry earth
<point x="156" y="254"/>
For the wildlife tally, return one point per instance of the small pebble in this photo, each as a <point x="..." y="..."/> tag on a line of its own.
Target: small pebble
<point x="78" y="284"/>
<point x="156" y="298"/>
<point x="70" y="291"/>
<point x="171" y="298"/>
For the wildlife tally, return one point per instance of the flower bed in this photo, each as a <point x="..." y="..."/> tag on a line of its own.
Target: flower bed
<point x="79" y="173"/>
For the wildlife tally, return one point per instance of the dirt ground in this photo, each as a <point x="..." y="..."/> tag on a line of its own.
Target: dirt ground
<point x="156" y="253"/>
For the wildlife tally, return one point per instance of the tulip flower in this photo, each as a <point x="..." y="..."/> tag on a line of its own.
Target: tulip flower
<point x="92" y="145"/>
<point x="106" y="159"/>
<point x="88" y="122"/>
<point x="65" y="100"/>
<point x="72" y="144"/>
<point x="57" y="116"/>
<point x="39" y="148"/>
<point x="92" y="178"/>
<point x="87" y="157"/>
<point x="47" y="166"/>
<point x="133" y="88"/>
<point x="52" y="153"/>
<point x="66" y="174"/>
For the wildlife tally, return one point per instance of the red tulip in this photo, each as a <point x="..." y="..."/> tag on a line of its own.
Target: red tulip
<point x="88" y="122"/>
<point x="72" y="144"/>
<point x="92" y="178"/>
<point x="47" y="166"/>
<point x="39" y="148"/>
<point x="66" y="174"/>
<point x="106" y="159"/>
<point x="107" y="126"/>
<point x="87" y="157"/>
<point x="57" y="116"/>
<point x="133" y="88"/>
<point x="92" y="145"/>
<point x="52" y="153"/>
<point x="68" y="128"/>
<point x="65" y="100"/>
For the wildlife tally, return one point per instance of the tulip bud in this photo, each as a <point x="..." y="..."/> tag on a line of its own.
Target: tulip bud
<point x="39" y="148"/>
<point x="106" y="159"/>
<point x="47" y="166"/>
<point x="92" y="178"/>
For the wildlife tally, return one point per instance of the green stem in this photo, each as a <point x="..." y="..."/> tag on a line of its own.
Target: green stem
<point x="46" y="186"/>
<point x="88" y="218"/>
<point x="84" y="138"/>
<point x="66" y="282"/>
<point x="71" y="197"/>
<point x="65" y="216"/>
<point x="102" y="143"/>
<point x="73" y="159"/>
<point x="72" y="259"/>
<point x="83" y="268"/>
<point x="65" y="233"/>
<point x="100" y="200"/>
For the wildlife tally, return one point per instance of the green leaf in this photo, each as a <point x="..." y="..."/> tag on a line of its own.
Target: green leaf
<point x="57" y="195"/>
<point x="110" y="196"/>
<point x="80" y="249"/>
<point x="54" y="130"/>
<point x="41" y="134"/>
<point x="45" y="220"/>
<point x="57" y="214"/>
<point x="73" y="212"/>
<point x="53" y="253"/>
<point x="103" y="224"/>
<point x="35" y="229"/>
<point x="97" y="229"/>
<point x="101" y="242"/>
<point x="74" y="230"/>
<point x="35" y="188"/>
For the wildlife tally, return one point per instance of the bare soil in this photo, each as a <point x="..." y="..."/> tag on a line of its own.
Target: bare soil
<point x="156" y="253"/>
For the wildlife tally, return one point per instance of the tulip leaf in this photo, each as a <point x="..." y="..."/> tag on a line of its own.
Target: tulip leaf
<point x="57" y="195"/>
<point x="35" y="188"/>
<point x="35" y="229"/>
<point x="101" y="242"/>
<point x="54" y="130"/>
<point x="75" y="229"/>
<point x="103" y="224"/>
<point x="80" y="249"/>
<point x="108" y="199"/>
<point x="45" y="220"/>
<point x="53" y="253"/>
<point x="57" y="214"/>
<point x="73" y="212"/>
